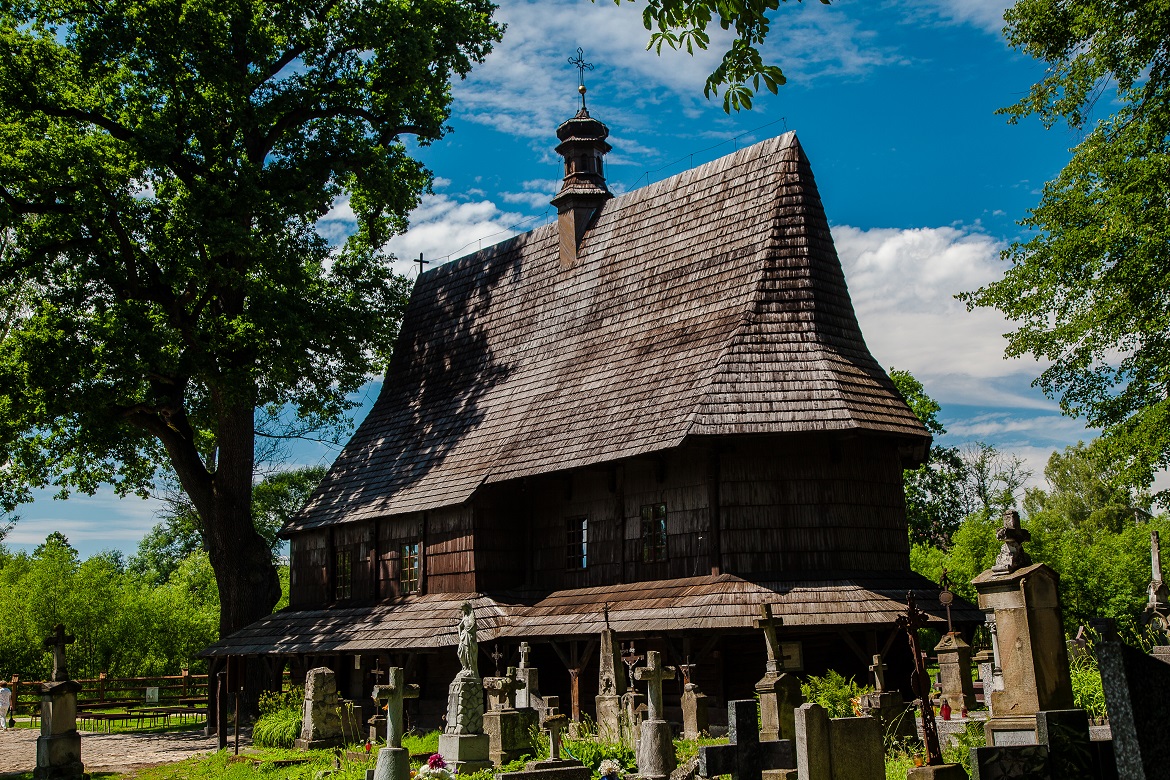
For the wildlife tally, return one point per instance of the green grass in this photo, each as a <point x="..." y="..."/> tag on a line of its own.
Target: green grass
<point x="421" y="744"/>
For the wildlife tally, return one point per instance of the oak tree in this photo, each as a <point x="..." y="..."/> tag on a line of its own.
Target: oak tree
<point x="164" y="165"/>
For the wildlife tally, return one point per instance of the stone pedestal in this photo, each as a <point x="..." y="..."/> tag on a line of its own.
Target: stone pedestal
<point x="655" y="750"/>
<point x="508" y="735"/>
<point x="465" y="753"/>
<point x="550" y="769"/>
<point x="633" y="712"/>
<point x="465" y="705"/>
<point x="779" y="697"/>
<point x="609" y="717"/>
<point x="59" y="745"/>
<point x="321" y="716"/>
<point x="694" y="709"/>
<point x="954" y="672"/>
<point x="393" y="764"/>
<point x="1029" y="644"/>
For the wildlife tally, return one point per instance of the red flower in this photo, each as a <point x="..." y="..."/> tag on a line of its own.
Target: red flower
<point x="436" y="762"/>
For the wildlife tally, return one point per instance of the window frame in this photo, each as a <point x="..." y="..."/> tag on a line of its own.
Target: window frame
<point x="653" y="534"/>
<point x="342" y="574"/>
<point x="409" y="576"/>
<point x="577" y="543"/>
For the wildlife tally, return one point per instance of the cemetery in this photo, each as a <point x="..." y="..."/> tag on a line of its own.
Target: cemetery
<point x="632" y="497"/>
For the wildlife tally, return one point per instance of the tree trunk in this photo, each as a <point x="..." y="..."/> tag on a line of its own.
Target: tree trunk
<point x="248" y="583"/>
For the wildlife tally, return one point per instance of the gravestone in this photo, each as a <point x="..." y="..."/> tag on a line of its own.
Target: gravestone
<point x="633" y="713"/>
<point x="611" y="684"/>
<point x="529" y="696"/>
<point x="1137" y="694"/>
<point x="954" y="672"/>
<point x="554" y="767"/>
<point x="984" y="661"/>
<point x="321" y="715"/>
<point x="887" y="706"/>
<point x="1011" y="762"/>
<point x="505" y="725"/>
<point x="655" y="754"/>
<point x="1027" y="637"/>
<point x="59" y="744"/>
<point x="694" y="708"/>
<point x="745" y="757"/>
<point x="1157" y="611"/>
<point x="1071" y="753"/>
<point x="837" y="748"/>
<point x="463" y="743"/>
<point x="778" y="691"/>
<point x="393" y="761"/>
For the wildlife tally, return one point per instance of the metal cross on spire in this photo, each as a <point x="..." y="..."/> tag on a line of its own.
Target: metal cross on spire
<point x="581" y="65"/>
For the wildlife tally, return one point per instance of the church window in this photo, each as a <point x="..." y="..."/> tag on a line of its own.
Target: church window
<point x="408" y="572"/>
<point x="653" y="533"/>
<point x="577" y="543"/>
<point x="343" y="575"/>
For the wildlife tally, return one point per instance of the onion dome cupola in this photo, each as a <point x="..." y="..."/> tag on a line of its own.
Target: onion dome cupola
<point x="583" y="191"/>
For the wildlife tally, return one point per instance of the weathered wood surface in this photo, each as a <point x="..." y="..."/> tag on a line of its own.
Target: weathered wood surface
<point x="703" y="604"/>
<point x="708" y="304"/>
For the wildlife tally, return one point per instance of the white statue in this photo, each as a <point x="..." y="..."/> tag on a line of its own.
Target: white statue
<point x="468" y="647"/>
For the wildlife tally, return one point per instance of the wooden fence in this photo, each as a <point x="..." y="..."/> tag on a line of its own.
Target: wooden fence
<point x="172" y="689"/>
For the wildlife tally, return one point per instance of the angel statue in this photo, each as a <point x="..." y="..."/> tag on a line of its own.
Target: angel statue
<point x="468" y="647"/>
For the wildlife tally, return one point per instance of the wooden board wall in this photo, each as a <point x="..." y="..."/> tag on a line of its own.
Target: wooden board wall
<point x="308" y="569"/>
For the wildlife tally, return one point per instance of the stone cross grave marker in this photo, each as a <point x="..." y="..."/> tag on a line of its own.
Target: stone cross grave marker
<point x="653" y="674"/>
<point x="745" y="757"/>
<point x="879" y="674"/>
<point x="56" y="643"/>
<point x="769" y="623"/>
<point x="390" y="696"/>
<point x="1011" y="553"/>
<point x="555" y="724"/>
<point x="524" y="651"/>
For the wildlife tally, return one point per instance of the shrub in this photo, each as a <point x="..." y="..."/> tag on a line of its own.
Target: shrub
<point x="279" y="728"/>
<point x="834" y="693"/>
<point x="421" y="744"/>
<point x="271" y="701"/>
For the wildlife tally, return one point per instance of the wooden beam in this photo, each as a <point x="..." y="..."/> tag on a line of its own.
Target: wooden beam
<point x="856" y="648"/>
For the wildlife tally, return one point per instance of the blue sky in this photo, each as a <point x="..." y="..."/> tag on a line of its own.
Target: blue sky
<point x="894" y="102"/>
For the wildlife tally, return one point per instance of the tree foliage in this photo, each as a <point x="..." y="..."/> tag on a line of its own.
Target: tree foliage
<point x="1089" y="288"/>
<point x="125" y="625"/>
<point x="163" y="167"/>
<point x="684" y="24"/>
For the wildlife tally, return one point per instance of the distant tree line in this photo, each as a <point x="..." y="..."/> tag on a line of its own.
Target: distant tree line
<point x="149" y="614"/>
<point x="1092" y="525"/>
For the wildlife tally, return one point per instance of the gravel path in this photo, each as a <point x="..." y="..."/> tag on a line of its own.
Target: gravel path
<point x="110" y="752"/>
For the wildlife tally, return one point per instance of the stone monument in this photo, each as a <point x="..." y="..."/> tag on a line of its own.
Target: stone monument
<point x="745" y="757"/>
<point x="393" y="761"/>
<point x="554" y="767"/>
<point x="528" y="696"/>
<point x="463" y="743"/>
<point x="59" y="745"/>
<point x="779" y="692"/>
<point x="837" y="748"/>
<point x="656" y="759"/>
<point x="505" y="725"/>
<point x="611" y="684"/>
<point x="694" y="706"/>
<point x="633" y="703"/>
<point x="954" y="671"/>
<point x="321" y="716"/>
<point x="1027" y="639"/>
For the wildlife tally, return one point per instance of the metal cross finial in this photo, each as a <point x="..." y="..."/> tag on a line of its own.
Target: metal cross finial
<point x="581" y="65"/>
<point x="496" y="655"/>
<point x="946" y="598"/>
<point x="421" y="262"/>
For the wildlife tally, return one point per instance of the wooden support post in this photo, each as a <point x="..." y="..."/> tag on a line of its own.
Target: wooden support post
<point x="221" y="690"/>
<point x="574" y="663"/>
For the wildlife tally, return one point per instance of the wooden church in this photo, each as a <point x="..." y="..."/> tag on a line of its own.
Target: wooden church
<point x="658" y="412"/>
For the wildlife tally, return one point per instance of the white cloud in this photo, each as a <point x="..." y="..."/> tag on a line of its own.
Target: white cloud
<point x="984" y="14"/>
<point x="91" y="523"/>
<point x="903" y="283"/>
<point x="443" y="229"/>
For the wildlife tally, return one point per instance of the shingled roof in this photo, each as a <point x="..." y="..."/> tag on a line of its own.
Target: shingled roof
<point x="709" y="303"/>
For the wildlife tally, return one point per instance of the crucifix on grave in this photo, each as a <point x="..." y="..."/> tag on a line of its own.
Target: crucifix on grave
<point x="655" y="752"/>
<point x="946" y="598"/>
<point x="496" y="655"/>
<point x="913" y="620"/>
<point x="631" y="658"/>
<point x="745" y="757"/>
<point x="779" y="692"/>
<point x="769" y="624"/>
<point x="390" y="697"/>
<point x="55" y="643"/>
<point x="653" y="674"/>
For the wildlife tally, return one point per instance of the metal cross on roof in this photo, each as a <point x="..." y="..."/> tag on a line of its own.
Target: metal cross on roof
<point x="421" y="262"/>
<point x="581" y="65"/>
